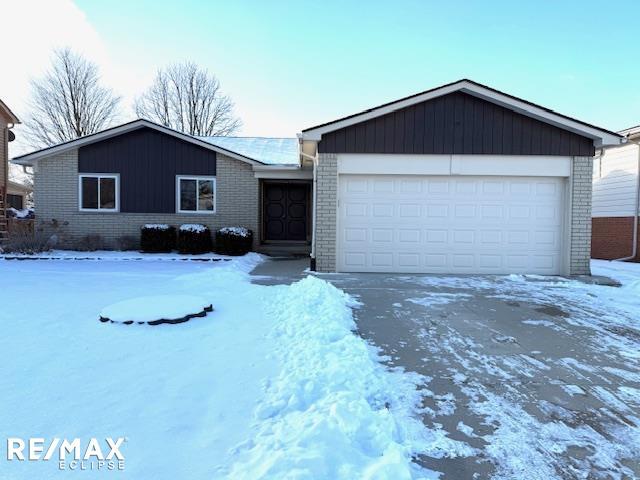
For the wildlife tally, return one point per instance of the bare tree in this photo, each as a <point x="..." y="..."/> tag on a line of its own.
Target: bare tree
<point x="68" y="102"/>
<point x="187" y="98"/>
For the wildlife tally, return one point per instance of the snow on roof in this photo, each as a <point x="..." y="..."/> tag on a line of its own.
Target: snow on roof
<point x="270" y="151"/>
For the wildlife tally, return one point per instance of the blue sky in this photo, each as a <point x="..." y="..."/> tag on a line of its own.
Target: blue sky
<point x="290" y="65"/>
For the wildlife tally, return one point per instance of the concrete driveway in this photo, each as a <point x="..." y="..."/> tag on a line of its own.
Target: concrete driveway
<point x="528" y="377"/>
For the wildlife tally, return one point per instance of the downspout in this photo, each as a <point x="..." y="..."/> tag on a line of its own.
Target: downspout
<point x="5" y="180"/>
<point x="314" y="159"/>
<point x="634" y="247"/>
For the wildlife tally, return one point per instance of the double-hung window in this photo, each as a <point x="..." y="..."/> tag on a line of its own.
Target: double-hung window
<point x="99" y="192"/>
<point x="195" y="194"/>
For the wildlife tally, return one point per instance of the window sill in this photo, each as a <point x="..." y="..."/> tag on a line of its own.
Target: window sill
<point x="86" y="210"/>
<point x="190" y="212"/>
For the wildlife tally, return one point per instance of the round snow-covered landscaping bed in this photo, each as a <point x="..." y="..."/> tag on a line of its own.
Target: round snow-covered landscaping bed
<point x="155" y="310"/>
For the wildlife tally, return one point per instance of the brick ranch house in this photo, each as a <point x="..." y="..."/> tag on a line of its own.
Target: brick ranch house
<point x="616" y="198"/>
<point x="461" y="178"/>
<point x="7" y="121"/>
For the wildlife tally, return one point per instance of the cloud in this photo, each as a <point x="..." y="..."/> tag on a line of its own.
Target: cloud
<point x="33" y="29"/>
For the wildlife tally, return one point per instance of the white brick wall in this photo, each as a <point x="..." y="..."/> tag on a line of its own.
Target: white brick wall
<point x="580" y="228"/>
<point x="56" y="198"/>
<point x="326" y="210"/>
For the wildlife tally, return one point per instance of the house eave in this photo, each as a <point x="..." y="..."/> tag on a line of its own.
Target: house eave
<point x="282" y="172"/>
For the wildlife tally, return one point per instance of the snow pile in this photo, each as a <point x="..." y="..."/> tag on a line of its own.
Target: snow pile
<point x="237" y="231"/>
<point x="152" y="309"/>
<point x="156" y="226"/>
<point x="193" y="227"/>
<point x="24" y="213"/>
<point x="627" y="273"/>
<point x="333" y="412"/>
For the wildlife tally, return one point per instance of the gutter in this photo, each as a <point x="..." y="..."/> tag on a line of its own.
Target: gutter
<point x="314" y="159"/>
<point x="5" y="180"/>
<point x="634" y="247"/>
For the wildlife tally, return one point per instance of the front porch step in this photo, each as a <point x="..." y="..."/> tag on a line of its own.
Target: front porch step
<point x="285" y="250"/>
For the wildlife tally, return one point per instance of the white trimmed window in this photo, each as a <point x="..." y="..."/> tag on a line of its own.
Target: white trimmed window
<point x="195" y="194"/>
<point x="99" y="192"/>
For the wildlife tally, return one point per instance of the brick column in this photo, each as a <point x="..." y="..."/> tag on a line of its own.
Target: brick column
<point x="326" y="211"/>
<point x="580" y="228"/>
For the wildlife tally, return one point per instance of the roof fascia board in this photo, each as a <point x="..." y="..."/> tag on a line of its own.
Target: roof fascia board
<point x="600" y="137"/>
<point x="630" y="132"/>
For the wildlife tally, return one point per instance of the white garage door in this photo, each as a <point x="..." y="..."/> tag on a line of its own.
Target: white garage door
<point x="450" y="224"/>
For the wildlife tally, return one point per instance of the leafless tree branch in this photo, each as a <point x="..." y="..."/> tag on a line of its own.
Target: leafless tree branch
<point x="187" y="98"/>
<point x="68" y="102"/>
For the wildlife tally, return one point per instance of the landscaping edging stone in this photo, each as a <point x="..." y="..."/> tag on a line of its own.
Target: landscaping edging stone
<point x="160" y="321"/>
<point x="136" y="259"/>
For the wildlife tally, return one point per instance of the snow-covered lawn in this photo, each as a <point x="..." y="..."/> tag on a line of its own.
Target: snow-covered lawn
<point x="272" y="384"/>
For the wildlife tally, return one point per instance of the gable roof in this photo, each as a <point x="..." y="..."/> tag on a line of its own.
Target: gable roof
<point x="630" y="132"/>
<point x="269" y="151"/>
<point x="30" y="158"/>
<point x="599" y="135"/>
<point x="8" y="113"/>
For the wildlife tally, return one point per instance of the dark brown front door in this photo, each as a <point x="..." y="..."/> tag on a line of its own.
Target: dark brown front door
<point x="286" y="211"/>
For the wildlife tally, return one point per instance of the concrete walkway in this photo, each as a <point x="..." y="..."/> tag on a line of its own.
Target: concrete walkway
<point x="533" y="378"/>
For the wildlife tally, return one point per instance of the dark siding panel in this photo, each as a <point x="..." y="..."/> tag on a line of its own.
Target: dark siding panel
<point x="419" y="128"/>
<point x="408" y="130"/>
<point x="457" y="123"/>
<point x="458" y="119"/>
<point x="361" y="136"/>
<point x="398" y="138"/>
<point x="477" y="127"/>
<point x="467" y="133"/>
<point x="516" y="137"/>
<point x="148" y="162"/>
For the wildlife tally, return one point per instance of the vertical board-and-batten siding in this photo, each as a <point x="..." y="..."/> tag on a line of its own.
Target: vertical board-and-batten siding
<point x="457" y="123"/>
<point x="147" y="162"/>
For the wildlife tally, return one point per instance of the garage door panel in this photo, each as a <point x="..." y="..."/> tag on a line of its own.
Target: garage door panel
<point x="450" y="224"/>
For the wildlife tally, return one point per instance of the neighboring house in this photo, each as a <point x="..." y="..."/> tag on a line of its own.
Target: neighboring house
<point x="18" y="195"/>
<point x="615" y="199"/>
<point x="7" y="121"/>
<point x="458" y="179"/>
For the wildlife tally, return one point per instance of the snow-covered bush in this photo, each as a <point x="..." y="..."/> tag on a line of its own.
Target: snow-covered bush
<point x="234" y="240"/>
<point x="157" y="238"/>
<point x="26" y="213"/>
<point x="194" y="238"/>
